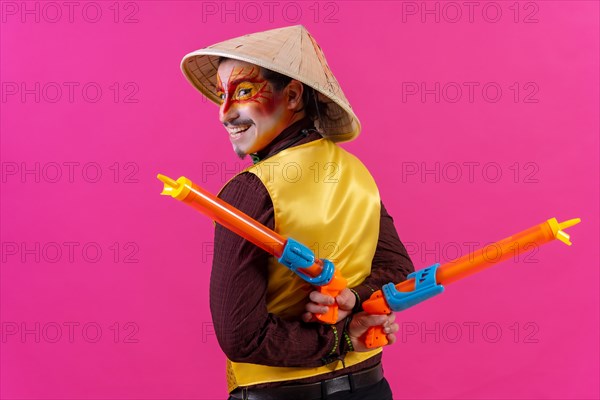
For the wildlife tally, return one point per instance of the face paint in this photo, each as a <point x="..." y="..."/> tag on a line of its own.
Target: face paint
<point x="246" y="86"/>
<point x="251" y="111"/>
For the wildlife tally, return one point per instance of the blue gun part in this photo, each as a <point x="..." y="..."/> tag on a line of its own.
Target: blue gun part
<point x="297" y="256"/>
<point x="426" y="287"/>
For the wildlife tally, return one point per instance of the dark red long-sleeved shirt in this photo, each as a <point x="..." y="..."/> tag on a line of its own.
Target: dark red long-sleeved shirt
<point x="245" y="330"/>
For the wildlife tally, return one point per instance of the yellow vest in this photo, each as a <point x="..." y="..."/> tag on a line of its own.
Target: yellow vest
<point x="325" y="198"/>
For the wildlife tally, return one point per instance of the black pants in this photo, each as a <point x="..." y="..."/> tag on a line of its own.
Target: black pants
<point x="378" y="391"/>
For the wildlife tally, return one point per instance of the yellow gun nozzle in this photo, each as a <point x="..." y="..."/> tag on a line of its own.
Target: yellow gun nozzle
<point x="178" y="189"/>
<point x="564" y="237"/>
<point x="558" y="229"/>
<point x="171" y="185"/>
<point x="569" y="223"/>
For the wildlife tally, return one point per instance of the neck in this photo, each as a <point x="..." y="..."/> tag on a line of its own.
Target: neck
<point x="286" y="138"/>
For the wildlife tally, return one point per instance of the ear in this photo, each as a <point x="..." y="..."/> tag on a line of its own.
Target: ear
<point x="294" y="91"/>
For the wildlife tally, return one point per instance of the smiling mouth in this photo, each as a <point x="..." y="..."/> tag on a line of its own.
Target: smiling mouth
<point x="236" y="132"/>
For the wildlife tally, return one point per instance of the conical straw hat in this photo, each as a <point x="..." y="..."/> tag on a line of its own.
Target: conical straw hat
<point x="291" y="51"/>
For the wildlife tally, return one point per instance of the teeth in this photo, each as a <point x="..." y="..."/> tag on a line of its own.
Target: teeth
<point x="238" y="129"/>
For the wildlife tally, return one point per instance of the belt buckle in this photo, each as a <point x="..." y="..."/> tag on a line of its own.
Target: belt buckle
<point x="335" y="385"/>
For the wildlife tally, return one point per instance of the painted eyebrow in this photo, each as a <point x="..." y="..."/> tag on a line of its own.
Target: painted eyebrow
<point x="238" y="80"/>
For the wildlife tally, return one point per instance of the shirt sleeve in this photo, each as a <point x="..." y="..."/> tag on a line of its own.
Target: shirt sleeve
<point x="244" y="328"/>
<point x="391" y="262"/>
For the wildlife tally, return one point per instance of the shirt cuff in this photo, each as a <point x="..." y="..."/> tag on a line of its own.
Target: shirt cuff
<point x="362" y="293"/>
<point x="338" y="348"/>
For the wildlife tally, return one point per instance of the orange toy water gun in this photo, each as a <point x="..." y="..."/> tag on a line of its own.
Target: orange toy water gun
<point x="294" y="255"/>
<point x="419" y="286"/>
<point x="426" y="283"/>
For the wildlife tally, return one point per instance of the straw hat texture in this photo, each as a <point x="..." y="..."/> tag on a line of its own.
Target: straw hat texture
<point x="290" y="51"/>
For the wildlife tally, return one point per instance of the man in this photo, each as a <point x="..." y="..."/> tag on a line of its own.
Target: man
<point x="280" y="104"/>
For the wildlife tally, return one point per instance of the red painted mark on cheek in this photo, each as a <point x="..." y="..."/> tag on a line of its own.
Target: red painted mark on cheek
<point x="269" y="105"/>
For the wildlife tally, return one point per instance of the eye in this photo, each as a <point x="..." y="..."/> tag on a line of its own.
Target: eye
<point x="244" y="93"/>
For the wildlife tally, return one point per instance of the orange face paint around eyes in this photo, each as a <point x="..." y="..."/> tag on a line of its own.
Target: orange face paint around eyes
<point x="249" y="82"/>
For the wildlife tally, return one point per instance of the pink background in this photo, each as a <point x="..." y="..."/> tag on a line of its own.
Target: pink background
<point x="523" y="330"/>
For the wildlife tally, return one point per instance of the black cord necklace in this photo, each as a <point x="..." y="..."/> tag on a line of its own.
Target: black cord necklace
<point x="303" y="133"/>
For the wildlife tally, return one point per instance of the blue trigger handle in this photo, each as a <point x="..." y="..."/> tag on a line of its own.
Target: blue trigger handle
<point x="296" y="256"/>
<point x="425" y="288"/>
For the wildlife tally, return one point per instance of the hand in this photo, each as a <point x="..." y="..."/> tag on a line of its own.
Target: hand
<point x="362" y="321"/>
<point x="346" y="301"/>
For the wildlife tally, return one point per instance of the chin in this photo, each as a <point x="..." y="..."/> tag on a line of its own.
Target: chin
<point x="240" y="153"/>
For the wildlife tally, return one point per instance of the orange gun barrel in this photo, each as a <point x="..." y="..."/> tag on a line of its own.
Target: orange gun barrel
<point x="497" y="252"/>
<point x="468" y="265"/>
<point x="219" y="211"/>
<point x="243" y="225"/>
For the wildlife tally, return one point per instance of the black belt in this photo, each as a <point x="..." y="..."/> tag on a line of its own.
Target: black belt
<point x="313" y="391"/>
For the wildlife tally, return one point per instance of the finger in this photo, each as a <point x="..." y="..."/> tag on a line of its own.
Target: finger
<point x="367" y="320"/>
<point x="316" y="308"/>
<point x="391" y="338"/>
<point x="321" y="298"/>
<point x="308" y="317"/>
<point x="392" y="328"/>
<point x="346" y="299"/>
<point x="391" y="318"/>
